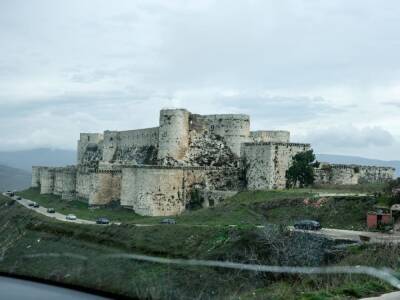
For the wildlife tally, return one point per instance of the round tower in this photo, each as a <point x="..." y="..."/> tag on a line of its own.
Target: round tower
<point x="173" y="139"/>
<point x="234" y="128"/>
<point x="46" y="180"/>
<point x="69" y="183"/>
<point x="35" y="177"/>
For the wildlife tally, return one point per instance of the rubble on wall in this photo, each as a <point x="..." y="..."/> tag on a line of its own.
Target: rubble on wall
<point x="210" y="150"/>
<point x="92" y="156"/>
<point x="205" y="150"/>
<point x="145" y="155"/>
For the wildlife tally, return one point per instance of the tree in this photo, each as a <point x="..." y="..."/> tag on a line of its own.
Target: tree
<point x="301" y="172"/>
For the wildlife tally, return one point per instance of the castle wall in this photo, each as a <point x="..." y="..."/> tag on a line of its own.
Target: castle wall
<point x="339" y="174"/>
<point x="128" y="139"/>
<point x="153" y="191"/>
<point x="46" y="180"/>
<point x="69" y="183"/>
<point x="374" y="174"/>
<point x="58" y="181"/>
<point x="173" y="134"/>
<point x="86" y="139"/>
<point x="35" y="176"/>
<point x="164" y="191"/>
<point x="106" y="187"/>
<point x="266" y="164"/>
<point x="212" y="198"/>
<point x="336" y="175"/>
<point x="235" y="128"/>
<point x="265" y="136"/>
<point x="85" y="183"/>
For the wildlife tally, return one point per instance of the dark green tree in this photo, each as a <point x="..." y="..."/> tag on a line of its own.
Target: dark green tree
<point x="301" y="172"/>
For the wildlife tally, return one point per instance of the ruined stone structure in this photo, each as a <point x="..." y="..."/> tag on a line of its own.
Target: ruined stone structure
<point x="161" y="171"/>
<point x="351" y="174"/>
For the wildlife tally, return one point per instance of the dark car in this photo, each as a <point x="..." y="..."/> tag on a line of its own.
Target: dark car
<point x="31" y="203"/>
<point x="51" y="210"/>
<point x="168" y="221"/>
<point x="35" y="205"/>
<point x="308" y="225"/>
<point x="18" y="198"/>
<point x="102" y="221"/>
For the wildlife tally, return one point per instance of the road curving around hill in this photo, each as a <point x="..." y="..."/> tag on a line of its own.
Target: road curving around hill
<point x="332" y="233"/>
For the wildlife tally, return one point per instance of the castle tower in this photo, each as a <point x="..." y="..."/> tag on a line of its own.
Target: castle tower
<point x="110" y="145"/>
<point x="35" y="177"/>
<point x="266" y="136"/>
<point x="46" y="180"/>
<point x="69" y="183"/>
<point x="173" y="139"/>
<point x="86" y="139"/>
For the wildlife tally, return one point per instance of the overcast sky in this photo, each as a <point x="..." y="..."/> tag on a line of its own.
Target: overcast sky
<point x="328" y="71"/>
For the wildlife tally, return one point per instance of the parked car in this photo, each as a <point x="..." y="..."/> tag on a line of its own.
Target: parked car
<point x="102" y="221"/>
<point x="51" y="210"/>
<point x="36" y="205"/>
<point x="308" y="225"/>
<point x="70" y="217"/>
<point x="32" y="203"/>
<point x="18" y="198"/>
<point x="168" y="221"/>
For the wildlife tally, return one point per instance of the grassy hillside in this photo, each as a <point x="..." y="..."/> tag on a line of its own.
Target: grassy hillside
<point x="36" y="246"/>
<point x="13" y="179"/>
<point x="246" y="208"/>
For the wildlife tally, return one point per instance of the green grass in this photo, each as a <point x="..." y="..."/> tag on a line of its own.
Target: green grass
<point x="246" y="208"/>
<point x="23" y="232"/>
<point x="80" y="208"/>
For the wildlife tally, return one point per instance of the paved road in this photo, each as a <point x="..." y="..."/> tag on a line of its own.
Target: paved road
<point x="351" y="235"/>
<point x="43" y="210"/>
<point x="389" y="296"/>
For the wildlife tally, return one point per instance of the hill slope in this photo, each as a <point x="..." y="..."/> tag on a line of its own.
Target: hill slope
<point x="344" y="159"/>
<point x="13" y="179"/>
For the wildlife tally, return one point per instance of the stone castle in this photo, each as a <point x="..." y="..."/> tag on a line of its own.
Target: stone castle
<point x="189" y="159"/>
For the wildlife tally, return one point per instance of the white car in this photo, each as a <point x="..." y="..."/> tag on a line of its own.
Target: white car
<point x="70" y="217"/>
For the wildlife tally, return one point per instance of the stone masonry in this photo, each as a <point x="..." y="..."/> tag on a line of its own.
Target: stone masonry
<point x="157" y="171"/>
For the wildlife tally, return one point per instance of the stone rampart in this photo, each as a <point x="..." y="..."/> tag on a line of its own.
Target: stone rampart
<point x="128" y="139"/>
<point x="341" y="174"/>
<point x="106" y="187"/>
<point x="233" y="128"/>
<point x="265" y="136"/>
<point x="85" y="140"/>
<point x="173" y="134"/>
<point x="36" y="176"/>
<point x="163" y="191"/>
<point x="46" y="180"/>
<point x="265" y="164"/>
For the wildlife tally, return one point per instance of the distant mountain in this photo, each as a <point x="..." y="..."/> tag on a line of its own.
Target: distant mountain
<point x="13" y="179"/>
<point x="40" y="157"/>
<point x="344" y="159"/>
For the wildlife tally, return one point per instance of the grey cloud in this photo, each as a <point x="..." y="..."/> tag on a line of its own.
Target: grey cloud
<point x="392" y="103"/>
<point x="94" y="65"/>
<point x="351" y="137"/>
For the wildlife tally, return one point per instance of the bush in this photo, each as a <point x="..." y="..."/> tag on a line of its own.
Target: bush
<point x="301" y="173"/>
